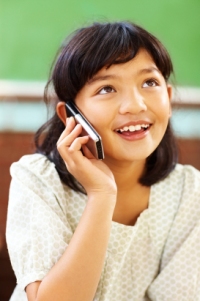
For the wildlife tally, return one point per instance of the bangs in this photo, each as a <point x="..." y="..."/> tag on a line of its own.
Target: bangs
<point x="110" y="45"/>
<point x="102" y="45"/>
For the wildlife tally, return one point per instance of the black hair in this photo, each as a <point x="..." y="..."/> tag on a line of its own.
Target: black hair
<point x="87" y="51"/>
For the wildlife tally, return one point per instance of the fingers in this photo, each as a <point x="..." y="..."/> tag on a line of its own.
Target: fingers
<point x="77" y="144"/>
<point x="87" y="152"/>
<point x="71" y="132"/>
<point x="82" y="164"/>
<point x="70" y="124"/>
<point x="69" y="143"/>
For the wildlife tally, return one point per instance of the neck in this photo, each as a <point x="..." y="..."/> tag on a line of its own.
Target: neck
<point x="127" y="174"/>
<point x="132" y="197"/>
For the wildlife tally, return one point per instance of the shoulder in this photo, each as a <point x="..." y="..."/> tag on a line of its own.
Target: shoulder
<point x="182" y="178"/>
<point x="182" y="170"/>
<point x="35" y="175"/>
<point x="191" y="178"/>
<point x="38" y="174"/>
<point x="178" y="195"/>
<point x="187" y="170"/>
<point x="35" y="163"/>
<point x="188" y="179"/>
<point x="35" y="168"/>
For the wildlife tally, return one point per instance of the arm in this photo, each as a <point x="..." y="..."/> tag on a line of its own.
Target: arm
<point x="76" y="275"/>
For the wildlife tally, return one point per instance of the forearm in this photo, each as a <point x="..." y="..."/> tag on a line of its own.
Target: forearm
<point x="77" y="273"/>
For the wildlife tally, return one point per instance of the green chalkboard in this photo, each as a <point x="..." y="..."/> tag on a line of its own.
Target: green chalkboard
<point x="31" y="31"/>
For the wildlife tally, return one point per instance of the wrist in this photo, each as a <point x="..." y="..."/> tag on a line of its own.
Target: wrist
<point x="103" y="197"/>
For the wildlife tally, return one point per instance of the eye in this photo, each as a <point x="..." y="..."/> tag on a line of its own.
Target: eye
<point x="106" y="90"/>
<point x="150" y="83"/>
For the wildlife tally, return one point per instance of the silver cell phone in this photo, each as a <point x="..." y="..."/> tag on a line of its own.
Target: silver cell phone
<point x="94" y="143"/>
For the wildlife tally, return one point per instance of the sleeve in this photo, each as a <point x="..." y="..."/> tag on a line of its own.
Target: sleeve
<point x="37" y="229"/>
<point x="179" y="275"/>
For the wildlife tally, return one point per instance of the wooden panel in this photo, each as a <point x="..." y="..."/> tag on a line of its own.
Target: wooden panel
<point x="189" y="152"/>
<point x="12" y="147"/>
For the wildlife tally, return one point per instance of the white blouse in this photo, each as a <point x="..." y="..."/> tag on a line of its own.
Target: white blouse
<point x="157" y="259"/>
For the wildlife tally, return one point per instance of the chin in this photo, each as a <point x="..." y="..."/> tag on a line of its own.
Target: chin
<point x="130" y="154"/>
<point x="126" y="158"/>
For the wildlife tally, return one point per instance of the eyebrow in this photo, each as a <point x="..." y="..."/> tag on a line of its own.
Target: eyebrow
<point x="112" y="76"/>
<point x="149" y="70"/>
<point x="101" y="77"/>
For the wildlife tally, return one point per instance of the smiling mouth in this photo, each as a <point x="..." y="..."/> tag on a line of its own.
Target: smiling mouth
<point x="133" y="129"/>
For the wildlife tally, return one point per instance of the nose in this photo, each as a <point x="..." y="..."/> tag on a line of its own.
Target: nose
<point x="133" y="102"/>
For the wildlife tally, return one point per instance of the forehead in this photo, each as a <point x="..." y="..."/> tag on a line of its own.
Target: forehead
<point x="142" y="63"/>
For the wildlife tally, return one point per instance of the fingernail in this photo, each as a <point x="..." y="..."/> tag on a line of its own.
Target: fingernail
<point x="69" y="119"/>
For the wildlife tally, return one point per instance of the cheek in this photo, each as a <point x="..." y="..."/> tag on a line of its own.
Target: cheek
<point x="99" y="116"/>
<point x="101" y="125"/>
<point x="162" y="109"/>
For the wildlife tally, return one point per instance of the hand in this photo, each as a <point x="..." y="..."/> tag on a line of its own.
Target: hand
<point x="94" y="175"/>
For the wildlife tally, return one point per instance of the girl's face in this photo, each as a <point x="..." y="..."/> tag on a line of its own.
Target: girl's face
<point x="129" y="106"/>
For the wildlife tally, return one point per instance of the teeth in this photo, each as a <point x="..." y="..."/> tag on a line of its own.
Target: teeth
<point x="133" y="128"/>
<point x="138" y="127"/>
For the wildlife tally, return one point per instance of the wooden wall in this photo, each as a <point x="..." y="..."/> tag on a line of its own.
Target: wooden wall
<point x="12" y="147"/>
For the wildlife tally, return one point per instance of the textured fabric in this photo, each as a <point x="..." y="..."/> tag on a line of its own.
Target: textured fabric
<point x="158" y="259"/>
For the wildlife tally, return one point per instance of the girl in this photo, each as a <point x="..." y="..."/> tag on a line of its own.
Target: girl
<point x="123" y="228"/>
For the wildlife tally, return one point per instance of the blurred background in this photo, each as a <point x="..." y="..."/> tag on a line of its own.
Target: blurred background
<point x="30" y="34"/>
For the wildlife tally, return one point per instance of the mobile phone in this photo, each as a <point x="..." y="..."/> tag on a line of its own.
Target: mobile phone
<point x="94" y="143"/>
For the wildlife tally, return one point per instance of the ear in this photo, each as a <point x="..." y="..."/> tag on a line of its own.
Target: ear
<point x="61" y="111"/>
<point x="170" y="91"/>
